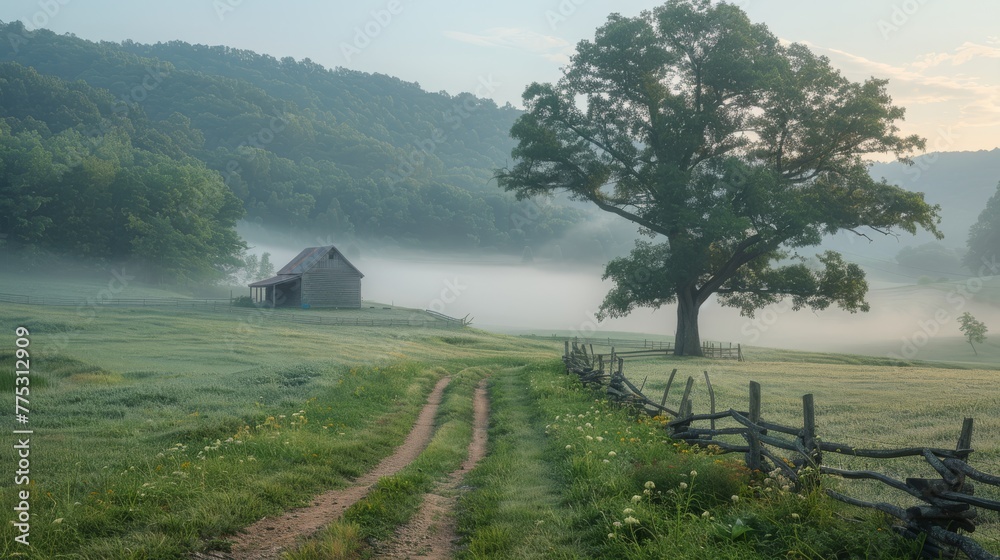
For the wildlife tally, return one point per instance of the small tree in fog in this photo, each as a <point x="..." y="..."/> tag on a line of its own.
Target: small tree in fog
<point x="266" y="269"/>
<point x="974" y="331"/>
<point x="256" y="268"/>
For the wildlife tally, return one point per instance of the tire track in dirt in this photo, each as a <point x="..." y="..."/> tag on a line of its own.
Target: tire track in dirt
<point x="269" y="537"/>
<point x="431" y="534"/>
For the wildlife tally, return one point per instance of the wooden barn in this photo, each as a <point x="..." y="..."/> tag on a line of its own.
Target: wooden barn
<point x="317" y="277"/>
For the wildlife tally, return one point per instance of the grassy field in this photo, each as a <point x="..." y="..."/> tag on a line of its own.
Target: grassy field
<point x="161" y="431"/>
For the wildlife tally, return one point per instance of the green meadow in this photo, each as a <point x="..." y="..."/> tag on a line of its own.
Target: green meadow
<point x="160" y="432"/>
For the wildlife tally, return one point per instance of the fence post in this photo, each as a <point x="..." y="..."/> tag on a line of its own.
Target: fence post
<point x="809" y="429"/>
<point x="754" y="402"/>
<point x="687" y="396"/>
<point x="965" y="440"/>
<point x="670" y="381"/>
<point x="711" y="396"/>
<point x="753" y="456"/>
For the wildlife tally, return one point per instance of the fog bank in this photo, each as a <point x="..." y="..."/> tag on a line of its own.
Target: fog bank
<point x="546" y="296"/>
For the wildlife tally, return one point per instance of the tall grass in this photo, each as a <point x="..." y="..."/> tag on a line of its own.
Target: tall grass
<point x="570" y="476"/>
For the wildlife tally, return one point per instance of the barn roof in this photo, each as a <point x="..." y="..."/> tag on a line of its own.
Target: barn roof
<point x="308" y="259"/>
<point x="300" y="264"/>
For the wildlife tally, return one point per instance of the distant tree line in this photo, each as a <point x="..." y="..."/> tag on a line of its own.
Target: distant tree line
<point x="154" y="152"/>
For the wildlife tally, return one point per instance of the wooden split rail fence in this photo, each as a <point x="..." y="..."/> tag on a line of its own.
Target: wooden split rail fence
<point x="608" y="371"/>
<point x="946" y="504"/>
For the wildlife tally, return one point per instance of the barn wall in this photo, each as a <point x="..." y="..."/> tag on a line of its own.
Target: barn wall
<point x="331" y="283"/>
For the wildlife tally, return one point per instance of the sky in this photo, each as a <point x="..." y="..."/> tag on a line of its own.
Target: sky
<point x="942" y="58"/>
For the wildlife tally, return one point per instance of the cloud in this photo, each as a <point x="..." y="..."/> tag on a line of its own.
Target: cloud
<point x="965" y="53"/>
<point x="547" y="46"/>
<point x="956" y="92"/>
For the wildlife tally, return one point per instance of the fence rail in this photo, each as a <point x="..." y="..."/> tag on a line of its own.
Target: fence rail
<point x="224" y="305"/>
<point x="946" y="505"/>
<point x="646" y="348"/>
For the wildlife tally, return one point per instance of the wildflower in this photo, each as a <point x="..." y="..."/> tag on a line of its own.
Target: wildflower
<point x="606" y="461"/>
<point x="599" y="438"/>
<point x="569" y="447"/>
<point x="734" y="498"/>
<point x="694" y="473"/>
<point x="588" y="425"/>
<point x="628" y="511"/>
<point x="631" y="520"/>
<point x="636" y="499"/>
<point x="617" y="523"/>
<point x="649" y="485"/>
<point x="612" y="454"/>
<point x="683" y="485"/>
<point x="705" y="514"/>
<point x="590" y="438"/>
<point x="795" y="516"/>
<point x="611" y="535"/>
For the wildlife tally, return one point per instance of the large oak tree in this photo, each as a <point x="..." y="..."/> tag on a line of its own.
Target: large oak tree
<point x="726" y="147"/>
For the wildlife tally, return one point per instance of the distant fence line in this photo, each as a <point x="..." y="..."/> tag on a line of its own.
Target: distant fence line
<point x="224" y="305"/>
<point x="947" y="502"/>
<point x="720" y="350"/>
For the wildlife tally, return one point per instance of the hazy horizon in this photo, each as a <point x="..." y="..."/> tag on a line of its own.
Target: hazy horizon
<point x="500" y="293"/>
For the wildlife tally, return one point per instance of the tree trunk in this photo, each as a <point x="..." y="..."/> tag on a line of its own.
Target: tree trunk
<point x="687" y="341"/>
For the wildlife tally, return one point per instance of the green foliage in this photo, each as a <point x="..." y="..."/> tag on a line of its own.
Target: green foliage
<point x="107" y="197"/>
<point x="333" y="152"/>
<point x="984" y="238"/>
<point x="703" y="129"/>
<point x="972" y="329"/>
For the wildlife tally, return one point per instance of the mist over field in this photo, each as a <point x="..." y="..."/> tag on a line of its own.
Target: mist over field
<point x="547" y="297"/>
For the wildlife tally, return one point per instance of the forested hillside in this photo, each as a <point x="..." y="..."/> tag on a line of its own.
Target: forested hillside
<point x="335" y="152"/>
